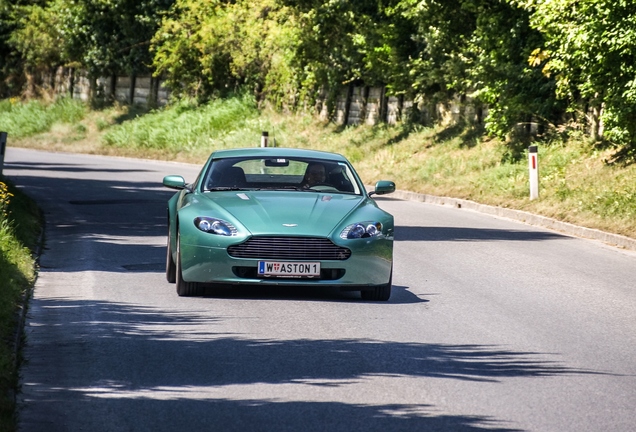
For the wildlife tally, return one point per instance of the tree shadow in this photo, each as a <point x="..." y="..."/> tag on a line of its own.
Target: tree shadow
<point x="464" y="234"/>
<point x="623" y="157"/>
<point x="69" y="168"/>
<point x="132" y="112"/>
<point x="405" y="131"/>
<point x="135" y="361"/>
<point x="469" y="133"/>
<point x="98" y="213"/>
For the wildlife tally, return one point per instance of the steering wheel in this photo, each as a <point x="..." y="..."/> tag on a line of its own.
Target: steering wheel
<point x="323" y="187"/>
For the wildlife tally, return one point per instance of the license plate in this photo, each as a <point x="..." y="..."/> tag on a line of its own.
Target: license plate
<point x="289" y="269"/>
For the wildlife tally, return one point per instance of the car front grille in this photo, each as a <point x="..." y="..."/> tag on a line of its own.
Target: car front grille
<point x="289" y="248"/>
<point x="252" y="273"/>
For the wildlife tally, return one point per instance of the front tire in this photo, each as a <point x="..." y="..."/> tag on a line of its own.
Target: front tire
<point x="379" y="293"/>
<point x="171" y="267"/>
<point x="184" y="289"/>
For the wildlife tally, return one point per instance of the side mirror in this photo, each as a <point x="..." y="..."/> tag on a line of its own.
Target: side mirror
<point x="383" y="187"/>
<point x="174" y="182"/>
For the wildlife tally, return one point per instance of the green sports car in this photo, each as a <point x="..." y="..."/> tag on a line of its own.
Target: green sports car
<point x="279" y="216"/>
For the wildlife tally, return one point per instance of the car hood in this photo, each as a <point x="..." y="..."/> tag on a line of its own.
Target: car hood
<point x="287" y="212"/>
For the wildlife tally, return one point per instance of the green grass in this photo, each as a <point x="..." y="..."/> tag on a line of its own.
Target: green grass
<point x="20" y="225"/>
<point x="186" y="127"/>
<point x="576" y="184"/>
<point x="21" y="120"/>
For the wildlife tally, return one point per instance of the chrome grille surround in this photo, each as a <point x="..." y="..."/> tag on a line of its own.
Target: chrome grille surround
<point x="289" y="248"/>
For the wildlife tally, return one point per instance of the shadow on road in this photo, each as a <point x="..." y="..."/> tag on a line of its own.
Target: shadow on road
<point x="106" y="219"/>
<point x="63" y="167"/>
<point x="146" y="365"/>
<point x="463" y="234"/>
<point x="399" y="295"/>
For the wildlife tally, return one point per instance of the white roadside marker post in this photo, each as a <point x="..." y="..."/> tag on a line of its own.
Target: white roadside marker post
<point x="533" y="165"/>
<point x="264" y="139"/>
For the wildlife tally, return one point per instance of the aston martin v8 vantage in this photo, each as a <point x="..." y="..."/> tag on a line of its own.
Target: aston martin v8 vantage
<point x="279" y="216"/>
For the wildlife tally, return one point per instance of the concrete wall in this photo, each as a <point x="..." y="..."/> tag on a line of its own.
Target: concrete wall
<point x="141" y="90"/>
<point x="354" y="105"/>
<point x="370" y="105"/>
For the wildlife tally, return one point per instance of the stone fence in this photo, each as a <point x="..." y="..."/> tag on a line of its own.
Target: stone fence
<point x="354" y="105"/>
<point x="141" y="90"/>
<point x="371" y="105"/>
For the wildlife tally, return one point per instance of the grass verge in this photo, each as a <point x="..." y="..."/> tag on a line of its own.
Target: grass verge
<point x="20" y="226"/>
<point x="577" y="184"/>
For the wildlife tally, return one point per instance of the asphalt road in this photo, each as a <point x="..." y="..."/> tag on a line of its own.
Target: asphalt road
<point x="493" y="325"/>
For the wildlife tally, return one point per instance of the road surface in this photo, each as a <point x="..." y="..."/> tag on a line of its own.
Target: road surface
<point x="492" y="325"/>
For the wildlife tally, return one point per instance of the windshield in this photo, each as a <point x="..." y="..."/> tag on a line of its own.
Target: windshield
<point x="312" y="175"/>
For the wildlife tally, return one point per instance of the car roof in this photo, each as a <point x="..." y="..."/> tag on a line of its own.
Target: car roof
<point x="277" y="152"/>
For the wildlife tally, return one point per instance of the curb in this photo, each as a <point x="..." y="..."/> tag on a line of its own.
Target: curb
<point x="521" y="216"/>
<point x="18" y="341"/>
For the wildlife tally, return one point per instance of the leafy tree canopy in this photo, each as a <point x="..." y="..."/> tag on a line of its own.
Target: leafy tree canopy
<point x="590" y="50"/>
<point x="523" y="59"/>
<point x="210" y="47"/>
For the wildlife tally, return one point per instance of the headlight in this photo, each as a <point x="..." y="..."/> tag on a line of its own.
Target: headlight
<point x="215" y="226"/>
<point x="361" y="230"/>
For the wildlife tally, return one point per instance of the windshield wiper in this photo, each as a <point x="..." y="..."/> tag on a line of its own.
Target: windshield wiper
<point x="224" y="188"/>
<point x="289" y="187"/>
<point x="292" y="187"/>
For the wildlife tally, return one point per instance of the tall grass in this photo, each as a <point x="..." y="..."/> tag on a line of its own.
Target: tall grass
<point x="21" y="120"/>
<point x="186" y="126"/>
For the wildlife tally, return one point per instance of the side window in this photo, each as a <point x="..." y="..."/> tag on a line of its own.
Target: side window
<point x="339" y="177"/>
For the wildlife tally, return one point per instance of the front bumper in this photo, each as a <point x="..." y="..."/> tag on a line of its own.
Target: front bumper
<point x="370" y="264"/>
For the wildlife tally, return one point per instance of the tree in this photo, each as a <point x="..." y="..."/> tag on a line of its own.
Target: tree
<point x="39" y="41"/>
<point x="342" y="43"/>
<point x="478" y="48"/>
<point x="205" y="48"/>
<point x="591" y="52"/>
<point x="11" y="79"/>
<point x="103" y="37"/>
<point x="110" y="36"/>
<point x="499" y="75"/>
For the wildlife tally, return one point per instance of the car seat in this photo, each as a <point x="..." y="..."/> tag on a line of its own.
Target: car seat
<point x="228" y="177"/>
<point x="339" y="181"/>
